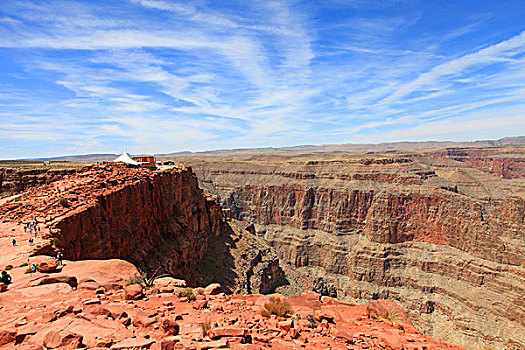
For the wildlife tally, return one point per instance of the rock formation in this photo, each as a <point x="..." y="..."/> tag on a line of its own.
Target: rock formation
<point x="150" y="218"/>
<point x="14" y="180"/>
<point x="436" y="231"/>
<point x="161" y="219"/>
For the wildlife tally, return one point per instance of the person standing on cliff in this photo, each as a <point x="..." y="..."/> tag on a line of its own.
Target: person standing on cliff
<point x="59" y="258"/>
<point x="14" y="242"/>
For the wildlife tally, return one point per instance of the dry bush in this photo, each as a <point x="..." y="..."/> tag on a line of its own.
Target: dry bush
<point x="205" y="327"/>
<point x="277" y="307"/>
<point x="188" y="293"/>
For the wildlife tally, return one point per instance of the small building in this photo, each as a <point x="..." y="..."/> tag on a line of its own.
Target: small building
<point x="145" y="160"/>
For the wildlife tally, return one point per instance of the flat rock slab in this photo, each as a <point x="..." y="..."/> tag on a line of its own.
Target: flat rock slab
<point x="133" y="343"/>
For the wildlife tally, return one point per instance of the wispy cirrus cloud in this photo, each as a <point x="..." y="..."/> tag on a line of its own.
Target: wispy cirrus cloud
<point x="160" y="76"/>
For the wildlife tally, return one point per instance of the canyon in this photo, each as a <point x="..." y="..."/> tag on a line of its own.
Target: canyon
<point x="439" y="230"/>
<point x="160" y="221"/>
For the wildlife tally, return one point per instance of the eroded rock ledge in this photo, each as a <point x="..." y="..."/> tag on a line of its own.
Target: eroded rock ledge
<point x="152" y="219"/>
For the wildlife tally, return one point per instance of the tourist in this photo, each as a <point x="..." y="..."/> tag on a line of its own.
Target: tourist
<point x="59" y="258"/>
<point x="5" y="279"/>
<point x="33" y="268"/>
<point x="30" y="241"/>
<point x="14" y="242"/>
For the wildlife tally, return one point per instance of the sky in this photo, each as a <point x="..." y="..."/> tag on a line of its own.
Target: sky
<point x="162" y="76"/>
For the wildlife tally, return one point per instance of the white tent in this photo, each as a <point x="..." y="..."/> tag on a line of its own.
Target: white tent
<point x="125" y="158"/>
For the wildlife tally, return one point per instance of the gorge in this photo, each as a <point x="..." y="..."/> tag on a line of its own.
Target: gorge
<point x="440" y="231"/>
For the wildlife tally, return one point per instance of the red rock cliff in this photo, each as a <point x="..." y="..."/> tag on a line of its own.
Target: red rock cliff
<point x="16" y="180"/>
<point x="151" y="218"/>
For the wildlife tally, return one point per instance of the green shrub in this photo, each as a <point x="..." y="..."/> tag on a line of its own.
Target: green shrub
<point x="137" y="278"/>
<point x="56" y="242"/>
<point x="23" y="264"/>
<point x="277" y="307"/>
<point x="8" y="267"/>
<point x="143" y="279"/>
<point x="64" y="202"/>
<point x="188" y="293"/>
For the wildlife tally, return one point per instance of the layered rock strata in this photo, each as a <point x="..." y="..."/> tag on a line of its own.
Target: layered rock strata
<point x="153" y="219"/>
<point x="442" y="237"/>
<point x="14" y="180"/>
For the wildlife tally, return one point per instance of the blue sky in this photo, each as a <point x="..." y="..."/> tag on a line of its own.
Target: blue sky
<point x="161" y="76"/>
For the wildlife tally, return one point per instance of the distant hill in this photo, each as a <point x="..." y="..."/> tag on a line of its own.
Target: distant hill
<point x="403" y="145"/>
<point x="95" y="157"/>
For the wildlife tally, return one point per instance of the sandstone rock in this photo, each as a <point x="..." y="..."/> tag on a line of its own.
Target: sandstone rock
<point x="25" y="330"/>
<point x="133" y="343"/>
<point x="324" y="314"/>
<point x="96" y="309"/>
<point x="168" y="343"/>
<point x="286" y="325"/>
<point x="71" y="280"/>
<point x="44" y="263"/>
<point x="7" y="335"/>
<point x="213" y="289"/>
<point x="55" y="339"/>
<point x="170" y="326"/>
<point x="133" y="292"/>
<point x="219" y="332"/>
<point x="214" y="344"/>
<point x="200" y="304"/>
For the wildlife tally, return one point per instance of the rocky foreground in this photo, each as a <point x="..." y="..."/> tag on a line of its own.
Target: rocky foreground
<point x="89" y="304"/>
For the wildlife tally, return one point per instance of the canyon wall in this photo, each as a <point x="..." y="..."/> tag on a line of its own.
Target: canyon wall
<point x="14" y="180"/>
<point x="159" y="220"/>
<point x="151" y="218"/>
<point x="436" y="234"/>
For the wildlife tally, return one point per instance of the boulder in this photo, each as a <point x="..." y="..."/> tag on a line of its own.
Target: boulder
<point x="219" y="332"/>
<point x="7" y="335"/>
<point x="133" y="292"/>
<point x="213" y="289"/>
<point x="200" y="304"/>
<point x="3" y="287"/>
<point x="168" y="343"/>
<point x="56" y="339"/>
<point x="170" y="326"/>
<point x="286" y="325"/>
<point x="45" y="263"/>
<point x="323" y="314"/>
